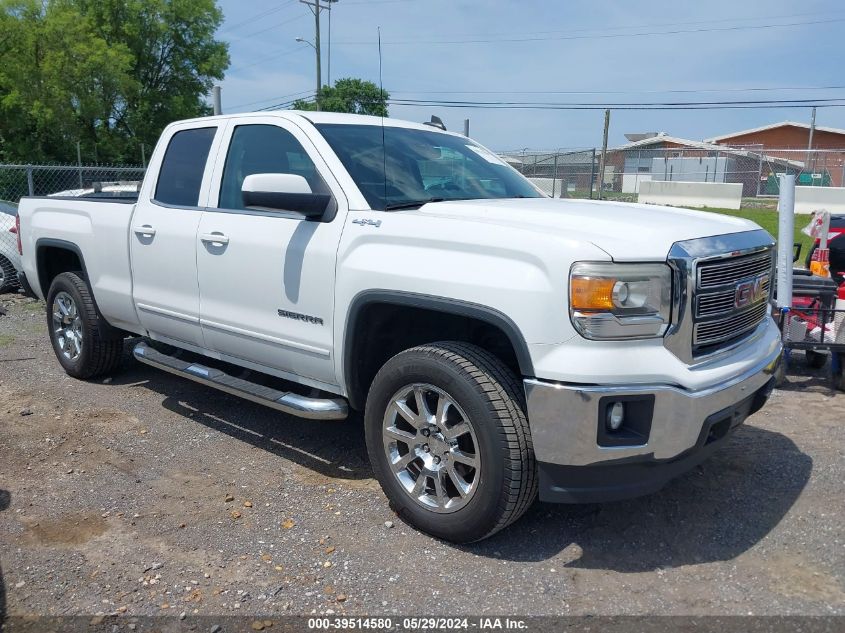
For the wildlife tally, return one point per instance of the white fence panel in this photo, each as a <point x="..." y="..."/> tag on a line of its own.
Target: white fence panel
<point x="716" y="195"/>
<point x="810" y="199"/>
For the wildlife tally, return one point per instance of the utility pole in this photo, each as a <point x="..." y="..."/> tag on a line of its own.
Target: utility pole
<point x="603" y="152"/>
<point x="466" y="128"/>
<point x="319" y="50"/>
<point x="316" y="8"/>
<point x="216" y="100"/>
<point x="810" y="145"/>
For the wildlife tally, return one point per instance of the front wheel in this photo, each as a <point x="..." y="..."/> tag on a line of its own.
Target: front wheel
<point x="449" y="441"/>
<point x="85" y="344"/>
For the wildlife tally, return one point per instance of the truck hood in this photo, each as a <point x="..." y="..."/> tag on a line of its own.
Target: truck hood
<point x="626" y="232"/>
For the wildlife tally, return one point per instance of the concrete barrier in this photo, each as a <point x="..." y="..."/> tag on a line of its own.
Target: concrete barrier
<point x="547" y="184"/>
<point x="717" y="195"/>
<point x="810" y="199"/>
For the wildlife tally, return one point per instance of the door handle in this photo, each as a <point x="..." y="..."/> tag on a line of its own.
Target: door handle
<point x="145" y="230"/>
<point x="214" y="238"/>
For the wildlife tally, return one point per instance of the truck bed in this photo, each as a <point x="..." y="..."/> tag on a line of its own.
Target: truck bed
<point x="97" y="227"/>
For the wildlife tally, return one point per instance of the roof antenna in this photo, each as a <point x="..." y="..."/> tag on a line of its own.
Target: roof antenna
<point x="383" y="143"/>
<point x="436" y="121"/>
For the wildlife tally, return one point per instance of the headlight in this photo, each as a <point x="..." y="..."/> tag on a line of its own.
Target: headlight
<point x="620" y="301"/>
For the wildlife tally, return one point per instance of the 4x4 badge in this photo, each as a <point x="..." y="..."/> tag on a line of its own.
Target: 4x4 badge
<point x="367" y="222"/>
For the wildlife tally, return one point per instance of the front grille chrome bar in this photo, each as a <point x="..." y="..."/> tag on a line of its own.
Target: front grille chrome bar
<point x="707" y="320"/>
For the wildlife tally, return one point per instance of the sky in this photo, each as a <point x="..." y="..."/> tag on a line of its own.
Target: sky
<point x="560" y="51"/>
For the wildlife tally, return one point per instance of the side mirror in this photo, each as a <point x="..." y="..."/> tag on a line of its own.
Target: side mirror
<point x="284" y="192"/>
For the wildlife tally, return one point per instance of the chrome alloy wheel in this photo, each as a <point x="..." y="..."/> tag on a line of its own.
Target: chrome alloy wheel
<point x="67" y="326"/>
<point x="431" y="447"/>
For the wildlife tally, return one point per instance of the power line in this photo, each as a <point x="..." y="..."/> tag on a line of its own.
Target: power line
<point x="280" y="98"/>
<point x="807" y="102"/>
<point x="602" y="36"/>
<point x="259" y="15"/>
<point x="558" y="105"/>
<point x="374" y="2"/>
<point x="632" y="108"/>
<point x="604" y="29"/>
<point x="273" y="26"/>
<point x="686" y="105"/>
<point x="282" y="53"/>
<point x="290" y="102"/>
<point x="609" y="92"/>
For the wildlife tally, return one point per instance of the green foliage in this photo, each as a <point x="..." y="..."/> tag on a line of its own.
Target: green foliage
<point x="109" y="74"/>
<point x="768" y="219"/>
<point x="350" y="95"/>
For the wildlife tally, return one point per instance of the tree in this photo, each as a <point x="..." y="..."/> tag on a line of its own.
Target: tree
<point x="56" y="79"/>
<point x="109" y="74"/>
<point x="350" y="95"/>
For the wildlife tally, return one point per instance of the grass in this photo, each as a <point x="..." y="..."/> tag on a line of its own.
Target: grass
<point x="6" y="340"/>
<point x="768" y="220"/>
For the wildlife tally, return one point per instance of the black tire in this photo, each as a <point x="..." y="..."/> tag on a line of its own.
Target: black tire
<point x="102" y="344"/>
<point x="815" y="360"/>
<point x="8" y="275"/>
<point x="492" y="397"/>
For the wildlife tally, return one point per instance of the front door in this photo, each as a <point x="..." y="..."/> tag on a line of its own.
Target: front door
<point x="163" y="238"/>
<point x="266" y="278"/>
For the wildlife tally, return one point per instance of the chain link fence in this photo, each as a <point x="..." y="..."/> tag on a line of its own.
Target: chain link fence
<point x="17" y="181"/>
<point x="559" y="173"/>
<point x="575" y="172"/>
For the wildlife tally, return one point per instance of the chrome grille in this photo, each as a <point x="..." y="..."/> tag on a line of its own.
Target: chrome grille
<point x="720" y="302"/>
<point x="727" y="272"/>
<point x="711" y="332"/>
<point x="717" y="319"/>
<point x="706" y="289"/>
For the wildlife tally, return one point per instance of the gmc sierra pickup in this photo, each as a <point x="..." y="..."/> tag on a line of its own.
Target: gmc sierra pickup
<point x="499" y="343"/>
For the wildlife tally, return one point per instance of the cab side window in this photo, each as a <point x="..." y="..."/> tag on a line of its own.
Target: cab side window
<point x="264" y="149"/>
<point x="182" y="169"/>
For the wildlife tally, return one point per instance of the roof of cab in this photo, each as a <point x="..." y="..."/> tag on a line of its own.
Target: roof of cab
<point x="322" y="117"/>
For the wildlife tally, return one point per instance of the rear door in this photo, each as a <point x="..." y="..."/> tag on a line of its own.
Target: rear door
<point x="163" y="235"/>
<point x="266" y="277"/>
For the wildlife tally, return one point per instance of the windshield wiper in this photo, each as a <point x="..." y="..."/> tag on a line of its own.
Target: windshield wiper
<point x="410" y="205"/>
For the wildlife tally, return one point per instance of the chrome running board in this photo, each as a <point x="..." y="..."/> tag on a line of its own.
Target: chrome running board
<point x="286" y="401"/>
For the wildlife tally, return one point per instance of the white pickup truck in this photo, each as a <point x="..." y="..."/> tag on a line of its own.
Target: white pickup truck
<point x="498" y="342"/>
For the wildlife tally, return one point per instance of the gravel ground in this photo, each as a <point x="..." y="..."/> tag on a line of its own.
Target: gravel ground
<point x="148" y="494"/>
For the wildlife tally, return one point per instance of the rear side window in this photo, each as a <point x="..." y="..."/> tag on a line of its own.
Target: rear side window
<point x="183" y="167"/>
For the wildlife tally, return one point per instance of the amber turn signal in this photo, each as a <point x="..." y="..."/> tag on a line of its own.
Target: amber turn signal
<point x="591" y="293"/>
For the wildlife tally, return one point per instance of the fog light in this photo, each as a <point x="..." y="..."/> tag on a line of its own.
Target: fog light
<point x="615" y="416"/>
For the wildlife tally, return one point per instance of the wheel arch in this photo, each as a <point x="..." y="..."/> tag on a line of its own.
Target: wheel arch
<point x="358" y="374"/>
<point x="53" y="257"/>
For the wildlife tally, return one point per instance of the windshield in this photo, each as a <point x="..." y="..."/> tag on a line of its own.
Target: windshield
<point x="421" y="166"/>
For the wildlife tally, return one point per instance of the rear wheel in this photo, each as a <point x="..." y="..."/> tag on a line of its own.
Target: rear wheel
<point x="85" y="344"/>
<point x="449" y="441"/>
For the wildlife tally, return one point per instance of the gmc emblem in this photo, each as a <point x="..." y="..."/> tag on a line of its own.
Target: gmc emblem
<point x="750" y="291"/>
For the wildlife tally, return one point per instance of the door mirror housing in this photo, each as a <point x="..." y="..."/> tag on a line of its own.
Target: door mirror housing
<point x="284" y="192"/>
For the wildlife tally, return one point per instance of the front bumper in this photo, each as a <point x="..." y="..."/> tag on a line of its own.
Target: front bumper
<point x="667" y="431"/>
